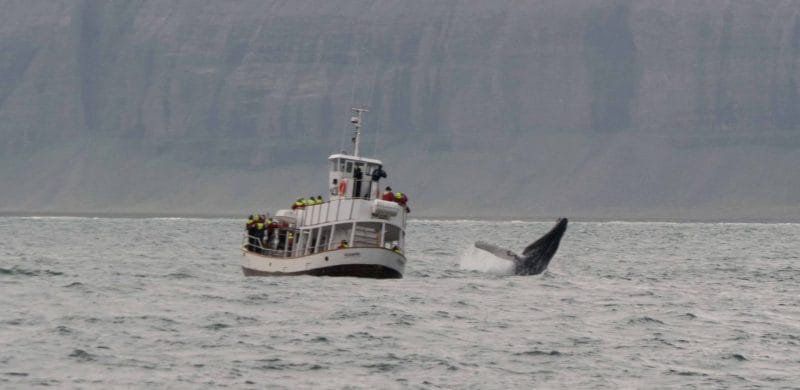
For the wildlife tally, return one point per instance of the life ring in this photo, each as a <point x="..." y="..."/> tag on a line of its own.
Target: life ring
<point x="342" y="187"/>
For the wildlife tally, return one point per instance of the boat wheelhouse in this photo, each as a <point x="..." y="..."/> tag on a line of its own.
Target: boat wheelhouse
<point x="353" y="233"/>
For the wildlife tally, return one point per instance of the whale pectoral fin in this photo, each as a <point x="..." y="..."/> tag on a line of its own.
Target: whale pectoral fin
<point x="496" y="250"/>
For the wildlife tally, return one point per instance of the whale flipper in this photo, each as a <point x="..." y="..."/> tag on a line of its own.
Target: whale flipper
<point x="536" y="256"/>
<point x="497" y="251"/>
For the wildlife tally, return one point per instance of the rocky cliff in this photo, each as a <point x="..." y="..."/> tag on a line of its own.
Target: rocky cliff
<point x="518" y="108"/>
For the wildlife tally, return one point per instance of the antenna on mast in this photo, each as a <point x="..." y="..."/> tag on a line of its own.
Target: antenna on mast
<point x="356" y="121"/>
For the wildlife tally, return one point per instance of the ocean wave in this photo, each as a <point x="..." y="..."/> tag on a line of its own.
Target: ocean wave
<point x="29" y="272"/>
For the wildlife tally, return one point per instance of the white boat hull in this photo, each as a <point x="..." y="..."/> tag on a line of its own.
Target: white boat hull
<point x="357" y="262"/>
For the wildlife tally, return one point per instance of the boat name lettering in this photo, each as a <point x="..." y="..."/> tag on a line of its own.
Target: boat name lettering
<point x="352" y="254"/>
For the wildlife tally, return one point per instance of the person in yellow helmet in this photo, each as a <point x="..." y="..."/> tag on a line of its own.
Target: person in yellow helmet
<point x="402" y="200"/>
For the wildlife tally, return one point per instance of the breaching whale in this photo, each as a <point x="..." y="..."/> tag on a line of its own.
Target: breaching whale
<point x="535" y="257"/>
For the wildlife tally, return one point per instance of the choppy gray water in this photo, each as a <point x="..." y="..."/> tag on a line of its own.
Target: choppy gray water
<point x="99" y="303"/>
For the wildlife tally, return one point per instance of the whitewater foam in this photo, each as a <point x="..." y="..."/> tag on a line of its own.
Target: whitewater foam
<point x="474" y="259"/>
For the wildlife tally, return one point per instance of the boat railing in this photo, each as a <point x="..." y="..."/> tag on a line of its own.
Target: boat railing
<point x="283" y="249"/>
<point x="254" y="245"/>
<point x="338" y="210"/>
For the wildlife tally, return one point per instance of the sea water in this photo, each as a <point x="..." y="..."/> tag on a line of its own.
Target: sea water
<point x="124" y="302"/>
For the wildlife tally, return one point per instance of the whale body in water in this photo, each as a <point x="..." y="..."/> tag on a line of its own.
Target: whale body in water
<point x="535" y="257"/>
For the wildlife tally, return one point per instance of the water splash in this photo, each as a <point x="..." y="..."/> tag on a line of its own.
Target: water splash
<point x="474" y="259"/>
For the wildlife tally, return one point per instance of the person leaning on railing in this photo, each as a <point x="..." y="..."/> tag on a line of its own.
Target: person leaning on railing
<point x="402" y="200"/>
<point x="397" y="197"/>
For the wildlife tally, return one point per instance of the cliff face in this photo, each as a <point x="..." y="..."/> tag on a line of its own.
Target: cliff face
<point x="588" y="108"/>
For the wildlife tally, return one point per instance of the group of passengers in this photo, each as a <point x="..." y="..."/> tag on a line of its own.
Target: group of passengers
<point x="301" y="203"/>
<point x="397" y="197"/>
<point x="264" y="233"/>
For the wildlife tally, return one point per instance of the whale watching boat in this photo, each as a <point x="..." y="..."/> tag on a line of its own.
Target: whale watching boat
<point x="354" y="233"/>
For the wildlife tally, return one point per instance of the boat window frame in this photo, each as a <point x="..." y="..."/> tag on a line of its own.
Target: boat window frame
<point x="349" y="167"/>
<point x="325" y="232"/>
<point x="344" y="229"/>
<point x="375" y="226"/>
<point x="392" y="234"/>
<point x="313" y="236"/>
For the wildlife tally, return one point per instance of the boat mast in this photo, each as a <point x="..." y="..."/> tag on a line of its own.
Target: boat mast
<point x="356" y="121"/>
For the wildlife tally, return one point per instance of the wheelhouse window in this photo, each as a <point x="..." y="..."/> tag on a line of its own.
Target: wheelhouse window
<point x="349" y="167"/>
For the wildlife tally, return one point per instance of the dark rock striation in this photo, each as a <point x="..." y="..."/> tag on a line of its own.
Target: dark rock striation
<point x="582" y="108"/>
